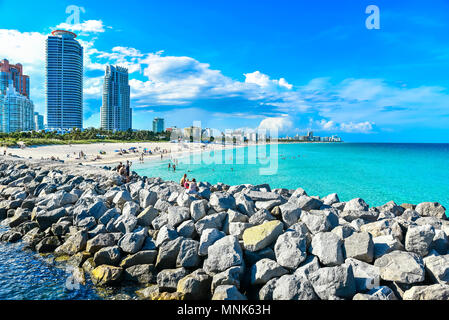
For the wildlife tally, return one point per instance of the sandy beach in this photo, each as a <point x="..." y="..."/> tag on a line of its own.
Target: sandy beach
<point x="71" y="153"/>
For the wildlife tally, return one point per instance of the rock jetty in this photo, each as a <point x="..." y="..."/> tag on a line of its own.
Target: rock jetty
<point x="226" y="242"/>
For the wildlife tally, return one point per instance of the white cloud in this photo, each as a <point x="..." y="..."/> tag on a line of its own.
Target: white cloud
<point x="280" y="124"/>
<point x="264" y="81"/>
<point x="89" y="26"/>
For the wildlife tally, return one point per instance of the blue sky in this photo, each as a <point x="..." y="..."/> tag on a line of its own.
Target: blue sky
<point x="294" y="65"/>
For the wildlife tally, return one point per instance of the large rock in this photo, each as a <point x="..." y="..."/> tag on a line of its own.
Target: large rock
<point x="227" y="292"/>
<point x="108" y="255"/>
<point x="188" y="254"/>
<point x="244" y="204"/>
<point x="356" y="204"/>
<point x="238" y="228"/>
<point x="260" y="217"/>
<point x="378" y="293"/>
<point x="330" y="199"/>
<point x="164" y="235"/>
<point x="319" y="220"/>
<point x="187" y="229"/>
<point x="132" y="242"/>
<point x="293" y="287"/>
<point x="121" y="198"/>
<point x="382" y="228"/>
<point x="386" y="244"/>
<point x="290" y="249"/>
<point x="331" y="283"/>
<point x="264" y="270"/>
<point x="437" y="268"/>
<point x="146" y="217"/>
<point x="419" y="238"/>
<point x="208" y="238"/>
<point x="75" y="243"/>
<point x="125" y="223"/>
<point x="230" y="276"/>
<point x="261" y="236"/>
<point x="168" y="253"/>
<point x="140" y="273"/>
<point x="177" y="215"/>
<point x="215" y="220"/>
<point x="223" y="254"/>
<point x="48" y="244"/>
<point x="327" y="246"/>
<point x="130" y="208"/>
<point x="141" y="257"/>
<point x="306" y="203"/>
<point x="195" y="286"/>
<point x="360" y="246"/>
<point x="432" y="292"/>
<point x="198" y="209"/>
<point x="105" y="275"/>
<point x="168" y="279"/>
<point x="402" y="267"/>
<point x="431" y="209"/>
<point x="222" y="201"/>
<point x="147" y="198"/>
<point x="47" y="218"/>
<point x="102" y="240"/>
<point x="290" y="213"/>
<point x="366" y="275"/>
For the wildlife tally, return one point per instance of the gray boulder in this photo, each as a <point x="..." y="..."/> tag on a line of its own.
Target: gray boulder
<point x="290" y="249"/>
<point x="222" y="201"/>
<point x="177" y="215"/>
<point x="168" y="279"/>
<point x="141" y="257"/>
<point x="334" y="283"/>
<point x="102" y="240"/>
<point x="168" y="253"/>
<point x="195" y="286"/>
<point x="230" y="276"/>
<point x="418" y="239"/>
<point x="319" y="220"/>
<point x="140" y="273"/>
<point x="431" y="209"/>
<point x="432" y="292"/>
<point x="215" y="220"/>
<point x="146" y="217"/>
<point x="109" y="255"/>
<point x="227" y="292"/>
<point x="223" y="254"/>
<point x="264" y="270"/>
<point x="187" y="229"/>
<point x="188" y="254"/>
<point x="164" y="235"/>
<point x="360" y="246"/>
<point x="293" y="287"/>
<point x="356" y="204"/>
<point x="208" y="238"/>
<point x="327" y="246"/>
<point x="132" y="242"/>
<point x="198" y="209"/>
<point x="437" y="267"/>
<point x="400" y="266"/>
<point x="290" y="213"/>
<point x="366" y="275"/>
<point x="386" y="244"/>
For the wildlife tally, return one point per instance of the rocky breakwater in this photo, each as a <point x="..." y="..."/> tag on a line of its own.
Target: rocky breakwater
<point x="227" y="242"/>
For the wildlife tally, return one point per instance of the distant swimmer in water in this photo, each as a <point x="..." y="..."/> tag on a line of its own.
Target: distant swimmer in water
<point x="169" y="166"/>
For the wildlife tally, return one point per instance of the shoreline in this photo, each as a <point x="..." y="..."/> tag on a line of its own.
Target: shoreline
<point x="153" y="233"/>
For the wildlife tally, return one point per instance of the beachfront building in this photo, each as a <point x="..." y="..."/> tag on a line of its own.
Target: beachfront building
<point x="116" y="114"/>
<point x="16" y="111"/>
<point x="14" y="72"/>
<point x="38" y="122"/>
<point x="64" y="80"/>
<point x="158" y="125"/>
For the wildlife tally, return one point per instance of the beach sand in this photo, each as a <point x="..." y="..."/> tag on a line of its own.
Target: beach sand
<point x="70" y="153"/>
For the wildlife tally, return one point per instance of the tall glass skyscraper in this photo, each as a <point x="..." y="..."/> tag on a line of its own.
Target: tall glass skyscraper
<point x="116" y="114"/>
<point x="16" y="111"/>
<point x="64" y="81"/>
<point x="14" y="73"/>
<point x="158" y="125"/>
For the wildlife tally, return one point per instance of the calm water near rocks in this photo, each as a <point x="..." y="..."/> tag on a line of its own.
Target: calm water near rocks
<point x="25" y="275"/>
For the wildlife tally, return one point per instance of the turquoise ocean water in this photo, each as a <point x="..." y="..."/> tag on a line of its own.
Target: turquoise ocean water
<point x="376" y="172"/>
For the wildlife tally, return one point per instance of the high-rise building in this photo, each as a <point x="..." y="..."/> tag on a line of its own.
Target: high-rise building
<point x="38" y="122"/>
<point x="116" y="114"/>
<point x="14" y="73"/>
<point x="158" y="125"/>
<point x="16" y="111"/>
<point x="64" y="80"/>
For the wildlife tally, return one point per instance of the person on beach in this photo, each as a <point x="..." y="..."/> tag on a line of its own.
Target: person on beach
<point x="186" y="184"/>
<point x="119" y="167"/>
<point x="193" y="187"/>
<point x="127" y="169"/>
<point x="183" y="179"/>
<point x="174" y="168"/>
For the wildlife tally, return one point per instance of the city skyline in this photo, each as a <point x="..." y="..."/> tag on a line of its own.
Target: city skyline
<point x="331" y="75"/>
